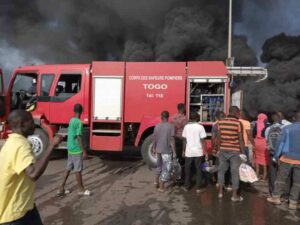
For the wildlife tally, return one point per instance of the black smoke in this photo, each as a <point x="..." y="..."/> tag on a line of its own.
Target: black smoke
<point x="281" y="91"/>
<point x="75" y="31"/>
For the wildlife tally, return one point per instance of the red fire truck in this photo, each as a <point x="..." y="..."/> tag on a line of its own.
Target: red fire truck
<point x="122" y="100"/>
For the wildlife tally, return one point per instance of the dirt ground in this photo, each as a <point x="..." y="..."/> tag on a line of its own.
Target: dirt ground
<point x="123" y="193"/>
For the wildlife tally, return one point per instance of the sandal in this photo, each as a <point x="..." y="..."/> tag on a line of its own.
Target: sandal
<point x="85" y="193"/>
<point x="220" y="196"/>
<point x="64" y="192"/>
<point x="239" y="199"/>
<point x="160" y="190"/>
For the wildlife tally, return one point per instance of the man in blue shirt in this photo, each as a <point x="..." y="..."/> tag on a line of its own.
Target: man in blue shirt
<point x="288" y="153"/>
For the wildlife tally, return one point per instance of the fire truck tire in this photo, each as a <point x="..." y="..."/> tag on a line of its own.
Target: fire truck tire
<point x="147" y="153"/>
<point x="39" y="141"/>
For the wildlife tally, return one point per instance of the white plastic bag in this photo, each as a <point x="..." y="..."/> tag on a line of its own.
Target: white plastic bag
<point x="247" y="174"/>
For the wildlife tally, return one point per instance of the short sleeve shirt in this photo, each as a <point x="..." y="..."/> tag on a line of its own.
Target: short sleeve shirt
<point x="246" y="126"/>
<point x="17" y="190"/>
<point x="163" y="133"/>
<point x="193" y="132"/>
<point x="229" y="129"/>
<point x="179" y="121"/>
<point x="74" y="130"/>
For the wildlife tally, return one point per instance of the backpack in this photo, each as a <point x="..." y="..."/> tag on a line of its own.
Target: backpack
<point x="273" y="136"/>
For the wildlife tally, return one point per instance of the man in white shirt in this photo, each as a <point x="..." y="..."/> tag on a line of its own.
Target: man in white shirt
<point x="194" y="147"/>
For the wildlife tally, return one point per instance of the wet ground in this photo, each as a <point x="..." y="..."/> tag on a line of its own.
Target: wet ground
<point x="123" y="193"/>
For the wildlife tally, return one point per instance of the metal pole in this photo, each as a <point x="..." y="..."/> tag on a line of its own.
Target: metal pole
<point x="229" y="29"/>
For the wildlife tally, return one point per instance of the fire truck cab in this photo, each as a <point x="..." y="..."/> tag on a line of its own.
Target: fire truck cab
<point x="122" y="100"/>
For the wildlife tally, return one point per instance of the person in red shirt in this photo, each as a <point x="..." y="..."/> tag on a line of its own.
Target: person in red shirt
<point x="179" y="120"/>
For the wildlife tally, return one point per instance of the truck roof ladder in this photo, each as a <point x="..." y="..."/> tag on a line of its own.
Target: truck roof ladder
<point x="238" y="71"/>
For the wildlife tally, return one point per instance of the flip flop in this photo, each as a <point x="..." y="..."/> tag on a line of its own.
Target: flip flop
<point x="239" y="199"/>
<point x="160" y="190"/>
<point x="85" y="193"/>
<point x="62" y="193"/>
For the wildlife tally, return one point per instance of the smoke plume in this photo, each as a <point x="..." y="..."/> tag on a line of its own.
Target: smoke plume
<point x="54" y="31"/>
<point x="281" y="91"/>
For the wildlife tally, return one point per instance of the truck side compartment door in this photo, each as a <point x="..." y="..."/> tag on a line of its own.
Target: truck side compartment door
<point x="107" y="129"/>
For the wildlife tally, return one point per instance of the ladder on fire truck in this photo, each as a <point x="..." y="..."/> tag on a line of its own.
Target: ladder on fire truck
<point x="251" y="72"/>
<point x="255" y="73"/>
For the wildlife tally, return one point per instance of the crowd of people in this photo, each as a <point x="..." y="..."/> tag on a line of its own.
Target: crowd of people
<point x="269" y="146"/>
<point x="180" y="145"/>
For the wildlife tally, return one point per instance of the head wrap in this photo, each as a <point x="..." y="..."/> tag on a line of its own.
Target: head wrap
<point x="261" y="119"/>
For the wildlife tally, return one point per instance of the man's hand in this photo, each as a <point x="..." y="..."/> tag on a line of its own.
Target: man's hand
<point x="174" y="156"/>
<point x="153" y="150"/>
<point x="206" y="157"/>
<point x="183" y="154"/>
<point x="214" y="152"/>
<point x="56" y="140"/>
<point x="84" y="154"/>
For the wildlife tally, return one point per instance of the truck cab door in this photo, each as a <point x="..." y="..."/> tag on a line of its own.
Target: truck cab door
<point x="69" y="90"/>
<point x="2" y="100"/>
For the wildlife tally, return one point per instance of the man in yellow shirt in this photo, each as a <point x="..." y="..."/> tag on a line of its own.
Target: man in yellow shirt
<point x="19" y="171"/>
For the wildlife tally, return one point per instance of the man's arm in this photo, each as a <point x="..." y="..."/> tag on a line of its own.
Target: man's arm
<point x="218" y="140"/>
<point x="242" y="144"/>
<point x="154" y="140"/>
<point x="250" y="137"/>
<point x="204" y="147"/>
<point x="173" y="146"/>
<point x="183" y="146"/>
<point x="80" y="141"/>
<point x="34" y="171"/>
<point x="279" y="147"/>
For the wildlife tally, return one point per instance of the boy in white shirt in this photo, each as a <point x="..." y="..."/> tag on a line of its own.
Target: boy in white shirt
<point x="194" y="147"/>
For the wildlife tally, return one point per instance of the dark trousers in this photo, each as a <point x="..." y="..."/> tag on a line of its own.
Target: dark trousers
<point x="32" y="217"/>
<point x="285" y="169"/>
<point x="188" y="171"/>
<point x="229" y="159"/>
<point x="272" y="173"/>
<point x="178" y="148"/>
<point x="273" y="169"/>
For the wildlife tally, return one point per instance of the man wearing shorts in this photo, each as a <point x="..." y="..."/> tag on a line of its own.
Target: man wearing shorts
<point x="164" y="145"/>
<point x="76" y="152"/>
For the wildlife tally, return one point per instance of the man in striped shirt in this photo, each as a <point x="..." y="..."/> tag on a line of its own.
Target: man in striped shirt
<point x="230" y="144"/>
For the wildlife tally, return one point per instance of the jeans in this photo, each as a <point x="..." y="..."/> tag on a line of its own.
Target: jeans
<point x="232" y="159"/>
<point x="285" y="169"/>
<point x="32" y="217"/>
<point x="188" y="167"/>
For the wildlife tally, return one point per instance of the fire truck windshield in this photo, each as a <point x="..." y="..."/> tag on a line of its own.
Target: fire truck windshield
<point x="24" y="89"/>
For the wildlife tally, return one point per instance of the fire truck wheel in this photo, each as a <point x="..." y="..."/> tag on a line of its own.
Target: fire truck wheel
<point x="39" y="141"/>
<point x="147" y="153"/>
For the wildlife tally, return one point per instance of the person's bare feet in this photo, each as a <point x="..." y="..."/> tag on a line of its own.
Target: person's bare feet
<point x="220" y="192"/>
